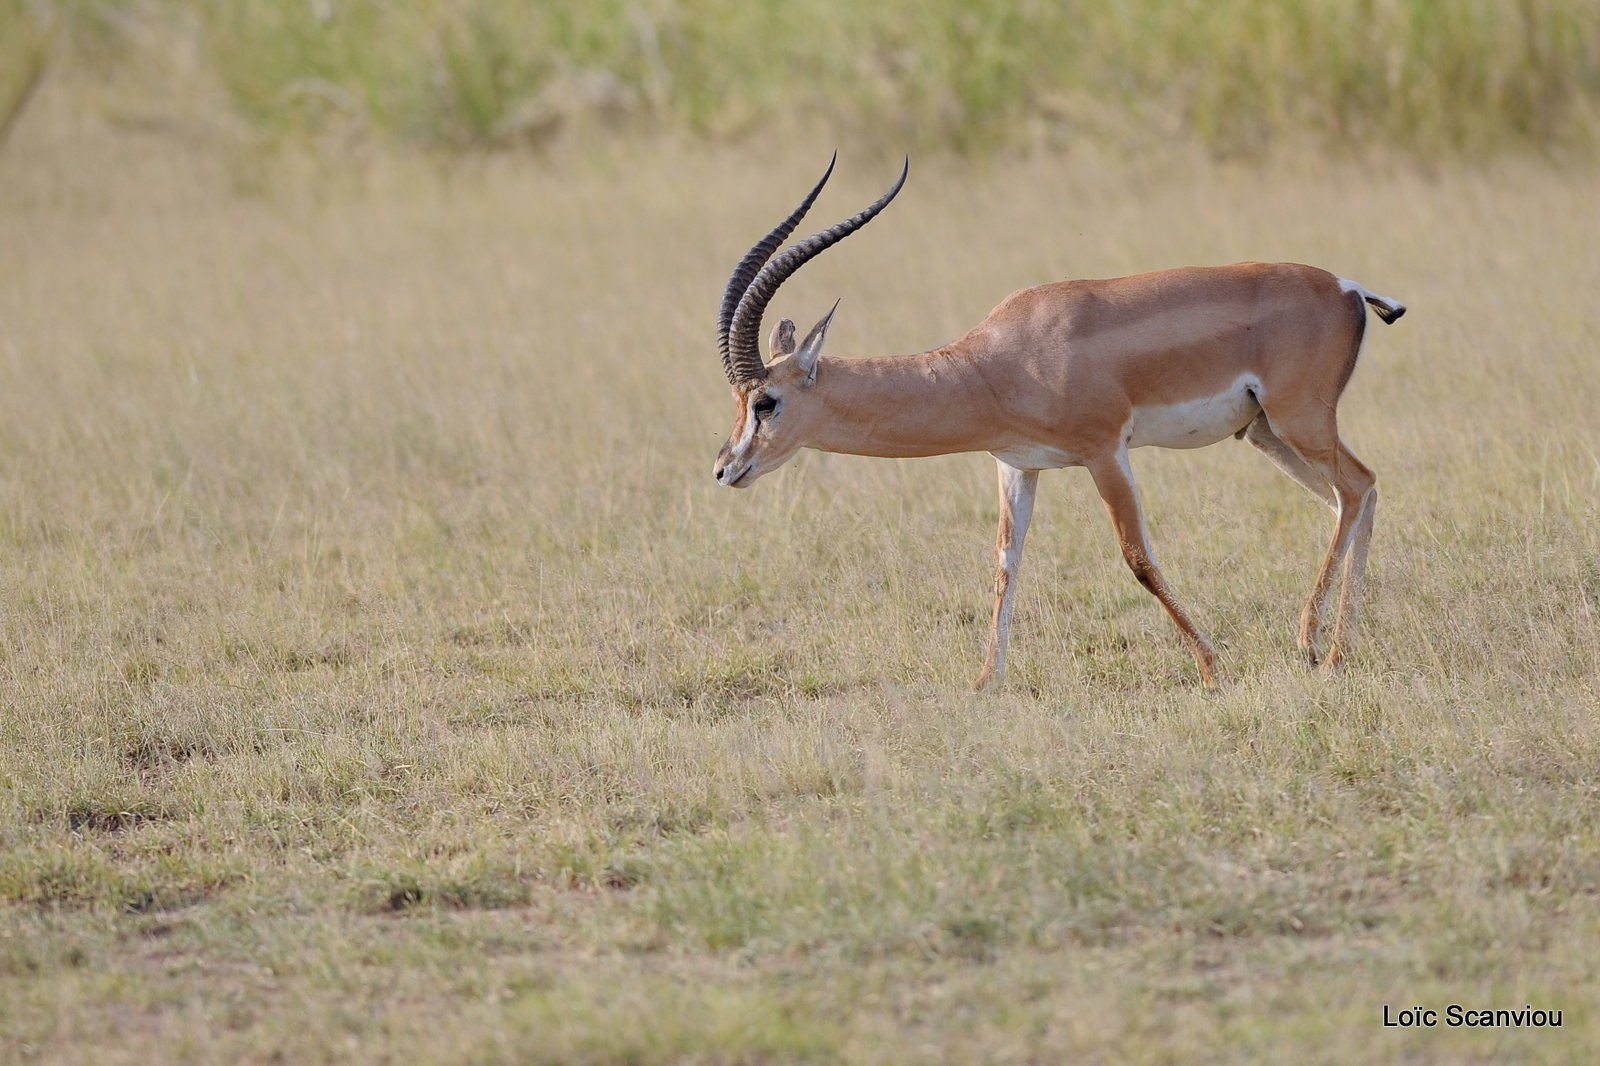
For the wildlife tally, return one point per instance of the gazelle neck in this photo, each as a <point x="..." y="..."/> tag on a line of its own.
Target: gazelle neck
<point x="905" y="406"/>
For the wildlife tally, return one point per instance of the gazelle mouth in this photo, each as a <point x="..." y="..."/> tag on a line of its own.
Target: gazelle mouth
<point x="732" y="481"/>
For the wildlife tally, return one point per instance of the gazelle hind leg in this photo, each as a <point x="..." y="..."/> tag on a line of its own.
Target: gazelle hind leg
<point x="1113" y="478"/>
<point x="1017" y="491"/>
<point x="1315" y="441"/>
<point x="1353" y="578"/>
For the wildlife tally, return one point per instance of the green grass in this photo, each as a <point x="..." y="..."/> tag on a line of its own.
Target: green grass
<point x="1472" y="77"/>
<point x="383" y="677"/>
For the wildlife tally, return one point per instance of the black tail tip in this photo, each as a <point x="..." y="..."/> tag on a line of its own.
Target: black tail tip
<point x="1387" y="310"/>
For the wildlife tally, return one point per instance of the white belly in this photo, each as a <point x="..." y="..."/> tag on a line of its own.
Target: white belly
<point x="1195" y="423"/>
<point x="1036" y="457"/>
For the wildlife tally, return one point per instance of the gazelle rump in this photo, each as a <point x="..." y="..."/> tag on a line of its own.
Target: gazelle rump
<point x="1077" y="373"/>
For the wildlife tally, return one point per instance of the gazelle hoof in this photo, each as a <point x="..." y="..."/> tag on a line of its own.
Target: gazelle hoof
<point x="1333" y="663"/>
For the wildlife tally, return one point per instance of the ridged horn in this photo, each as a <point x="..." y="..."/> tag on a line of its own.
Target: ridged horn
<point x="744" y="360"/>
<point x="750" y="265"/>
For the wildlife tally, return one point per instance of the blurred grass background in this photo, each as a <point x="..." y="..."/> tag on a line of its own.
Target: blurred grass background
<point x="1468" y="77"/>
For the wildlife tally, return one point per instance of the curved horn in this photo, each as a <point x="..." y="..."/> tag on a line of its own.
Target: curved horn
<point x="746" y="271"/>
<point x="745" y="351"/>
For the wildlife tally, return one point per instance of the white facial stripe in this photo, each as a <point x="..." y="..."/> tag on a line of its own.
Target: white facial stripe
<point x="742" y="445"/>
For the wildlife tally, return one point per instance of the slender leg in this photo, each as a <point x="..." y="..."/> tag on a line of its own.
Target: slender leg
<point x="1315" y="441"/>
<point x="1113" y="478"/>
<point x="1259" y="433"/>
<point x="1017" y="489"/>
<point x="1354" y="574"/>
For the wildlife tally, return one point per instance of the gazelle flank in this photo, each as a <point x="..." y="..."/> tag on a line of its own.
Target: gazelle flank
<point x="1077" y="373"/>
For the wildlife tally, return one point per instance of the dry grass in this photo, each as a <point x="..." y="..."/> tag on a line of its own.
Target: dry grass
<point x="385" y="679"/>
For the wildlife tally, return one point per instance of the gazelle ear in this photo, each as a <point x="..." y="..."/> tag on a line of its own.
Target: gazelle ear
<point x="806" y="357"/>
<point x="782" y="342"/>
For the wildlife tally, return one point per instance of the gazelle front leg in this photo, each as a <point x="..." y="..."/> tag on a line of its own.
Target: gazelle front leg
<point x="1113" y="478"/>
<point x="1017" y="489"/>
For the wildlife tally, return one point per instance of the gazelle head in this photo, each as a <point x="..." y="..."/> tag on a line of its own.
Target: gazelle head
<point x="773" y="417"/>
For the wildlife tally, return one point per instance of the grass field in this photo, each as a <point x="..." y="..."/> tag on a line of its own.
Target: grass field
<point x="385" y="679"/>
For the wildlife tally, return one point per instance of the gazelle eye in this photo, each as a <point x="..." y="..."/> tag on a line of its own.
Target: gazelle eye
<point x="765" y="407"/>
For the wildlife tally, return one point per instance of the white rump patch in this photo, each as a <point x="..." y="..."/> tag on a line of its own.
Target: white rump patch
<point x="1389" y="310"/>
